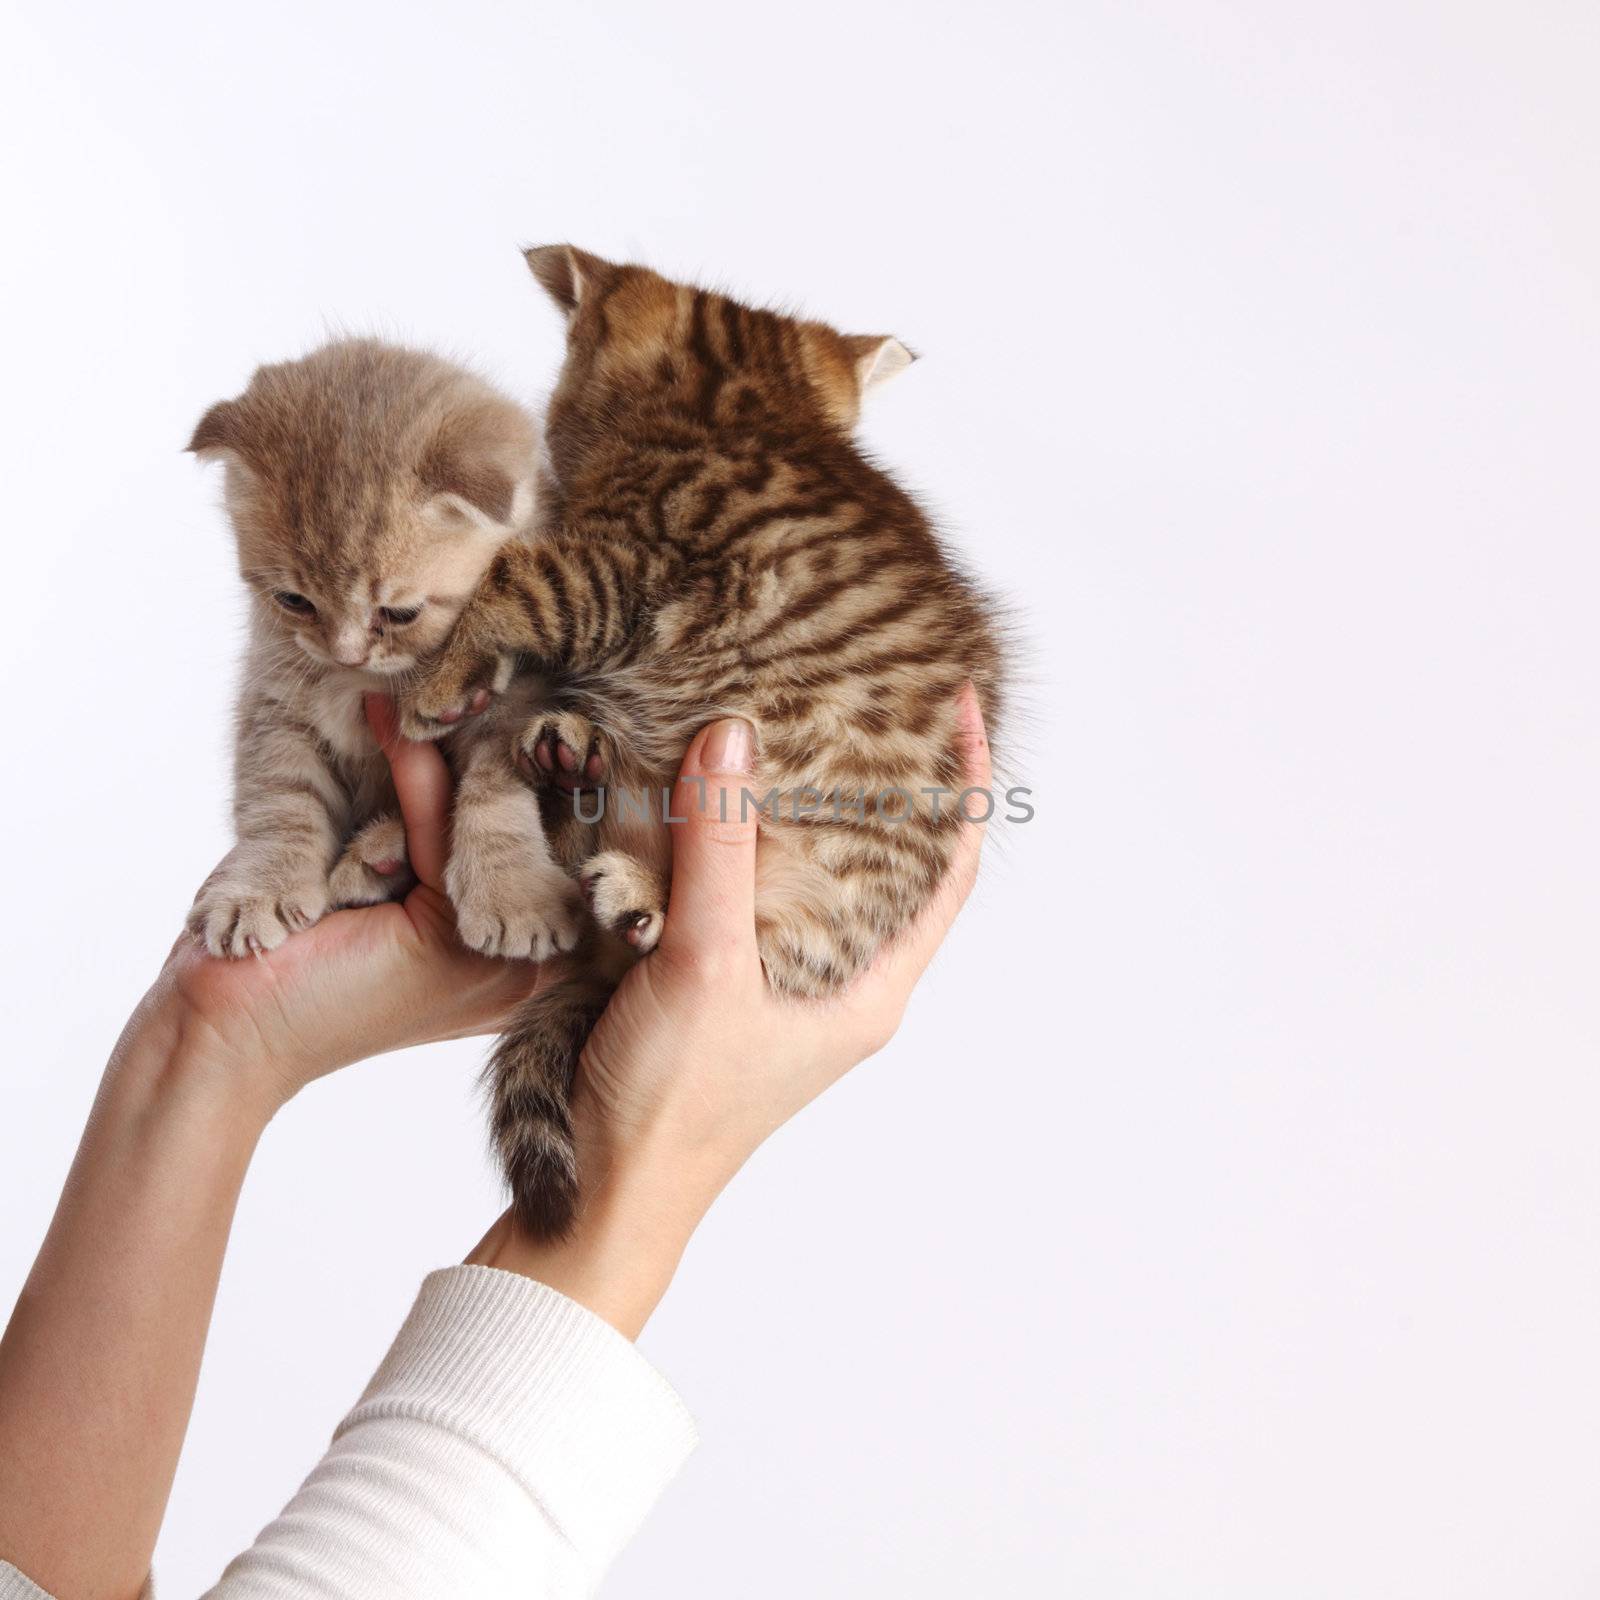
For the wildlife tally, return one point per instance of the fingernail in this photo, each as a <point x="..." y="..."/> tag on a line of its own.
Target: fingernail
<point x="727" y="747"/>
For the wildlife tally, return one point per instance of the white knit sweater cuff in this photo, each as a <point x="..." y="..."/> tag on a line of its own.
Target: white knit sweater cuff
<point x="14" y="1586"/>
<point x="557" y="1396"/>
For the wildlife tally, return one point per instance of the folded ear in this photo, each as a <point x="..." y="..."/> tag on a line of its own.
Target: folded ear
<point x="877" y="358"/>
<point x="480" y="467"/>
<point x="479" y="490"/>
<point x="567" y="273"/>
<point x="217" y="430"/>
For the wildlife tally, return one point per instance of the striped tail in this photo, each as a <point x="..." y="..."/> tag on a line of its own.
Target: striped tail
<point x="530" y="1075"/>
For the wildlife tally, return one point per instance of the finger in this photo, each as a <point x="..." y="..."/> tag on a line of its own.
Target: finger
<point x="905" y="961"/>
<point x="422" y="784"/>
<point x="713" y="903"/>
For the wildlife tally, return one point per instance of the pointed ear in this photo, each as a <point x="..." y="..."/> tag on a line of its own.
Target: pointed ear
<point x="566" y="273"/>
<point x="876" y="358"/>
<point x="217" y="430"/>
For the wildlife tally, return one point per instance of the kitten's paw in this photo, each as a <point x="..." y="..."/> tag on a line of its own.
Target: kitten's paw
<point x="230" y="918"/>
<point x="627" y="898"/>
<point x="461" y="683"/>
<point x="373" y="867"/>
<point x="564" y="749"/>
<point x="531" y="912"/>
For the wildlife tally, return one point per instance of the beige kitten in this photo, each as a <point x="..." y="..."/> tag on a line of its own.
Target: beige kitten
<point x="369" y="488"/>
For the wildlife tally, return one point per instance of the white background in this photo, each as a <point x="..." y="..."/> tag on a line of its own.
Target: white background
<point x="1224" y="1220"/>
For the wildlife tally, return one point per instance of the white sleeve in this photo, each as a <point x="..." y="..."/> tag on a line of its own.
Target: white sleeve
<point x="14" y="1586"/>
<point x="509" y="1445"/>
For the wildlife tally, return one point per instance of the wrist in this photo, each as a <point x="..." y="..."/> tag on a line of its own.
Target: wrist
<point x="622" y="1251"/>
<point x="172" y="1057"/>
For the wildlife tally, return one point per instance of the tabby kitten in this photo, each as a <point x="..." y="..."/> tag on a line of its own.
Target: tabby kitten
<point x="369" y="487"/>
<point x="714" y="544"/>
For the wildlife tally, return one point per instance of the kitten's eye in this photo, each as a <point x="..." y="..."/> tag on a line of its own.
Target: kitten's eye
<point x="297" y="603"/>
<point x="399" y="615"/>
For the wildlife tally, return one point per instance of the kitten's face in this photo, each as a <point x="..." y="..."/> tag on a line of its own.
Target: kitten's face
<point x="369" y="487"/>
<point x="382" y="606"/>
<point x="633" y="333"/>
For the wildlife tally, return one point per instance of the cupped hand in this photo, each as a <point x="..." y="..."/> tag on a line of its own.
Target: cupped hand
<point x="695" y="1060"/>
<point x="361" y="982"/>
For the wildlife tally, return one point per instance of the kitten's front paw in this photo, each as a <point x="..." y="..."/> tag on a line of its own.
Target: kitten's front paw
<point x="530" y="912"/>
<point x="460" y="684"/>
<point x="627" y="898"/>
<point x="232" y="918"/>
<point x="373" y="867"/>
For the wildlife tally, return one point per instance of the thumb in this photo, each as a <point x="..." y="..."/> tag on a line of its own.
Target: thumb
<point x="713" y="902"/>
<point x="421" y="785"/>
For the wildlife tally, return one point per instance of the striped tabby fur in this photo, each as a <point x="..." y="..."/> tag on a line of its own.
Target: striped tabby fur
<point x="712" y="543"/>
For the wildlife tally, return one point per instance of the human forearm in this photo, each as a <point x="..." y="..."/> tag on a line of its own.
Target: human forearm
<point x="99" y="1361"/>
<point x="98" y="1367"/>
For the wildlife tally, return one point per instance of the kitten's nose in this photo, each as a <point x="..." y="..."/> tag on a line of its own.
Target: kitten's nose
<point x="349" y="647"/>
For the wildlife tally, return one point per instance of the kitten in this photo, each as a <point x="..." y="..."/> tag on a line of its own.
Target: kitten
<point x="714" y="544"/>
<point x="369" y="488"/>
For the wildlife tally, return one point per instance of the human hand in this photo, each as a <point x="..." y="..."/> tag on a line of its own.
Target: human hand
<point x="695" y="1061"/>
<point x="360" y="982"/>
